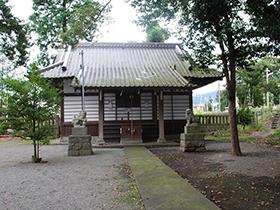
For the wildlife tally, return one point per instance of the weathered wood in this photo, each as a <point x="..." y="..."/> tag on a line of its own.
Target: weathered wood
<point x="101" y="118"/>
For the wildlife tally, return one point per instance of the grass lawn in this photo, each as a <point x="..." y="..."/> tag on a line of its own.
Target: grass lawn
<point x="227" y="138"/>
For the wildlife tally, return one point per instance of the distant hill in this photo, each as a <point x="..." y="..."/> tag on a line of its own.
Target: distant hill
<point x="202" y="98"/>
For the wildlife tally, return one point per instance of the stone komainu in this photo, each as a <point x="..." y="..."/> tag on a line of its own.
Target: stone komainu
<point x="190" y="118"/>
<point x="79" y="120"/>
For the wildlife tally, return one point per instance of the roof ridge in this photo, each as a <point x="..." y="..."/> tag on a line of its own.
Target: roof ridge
<point x="49" y="67"/>
<point x="128" y="44"/>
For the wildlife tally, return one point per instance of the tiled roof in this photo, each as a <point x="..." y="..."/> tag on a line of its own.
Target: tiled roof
<point x="126" y="65"/>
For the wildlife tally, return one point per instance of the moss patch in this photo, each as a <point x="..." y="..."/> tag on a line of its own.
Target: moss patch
<point x="128" y="192"/>
<point x="160" y="187"/>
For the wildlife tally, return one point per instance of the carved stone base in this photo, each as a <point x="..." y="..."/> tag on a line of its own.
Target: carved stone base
<point x="79" y="144"/>
<point x="159" y="140"/>
<point x="193" y="139"/>
<point x="100" y="141"/>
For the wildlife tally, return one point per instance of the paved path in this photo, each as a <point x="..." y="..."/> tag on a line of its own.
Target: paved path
<point x="160" y="187"/>
<point x="89" y="182"/>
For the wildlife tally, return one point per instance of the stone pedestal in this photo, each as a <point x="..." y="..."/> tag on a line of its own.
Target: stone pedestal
<point x="193" y="138"/>
<point x="100" y="141"/>
<point x="79" y="143"/>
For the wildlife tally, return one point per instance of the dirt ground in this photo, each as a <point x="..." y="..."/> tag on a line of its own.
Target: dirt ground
<point x="250" y="182"/>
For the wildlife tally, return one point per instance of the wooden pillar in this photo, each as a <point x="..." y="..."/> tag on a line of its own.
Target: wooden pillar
<point x="62" y="130"/>
<point x="100" y="139"/>
<point x="190" y="99"/>
<point x="161" y="137"/>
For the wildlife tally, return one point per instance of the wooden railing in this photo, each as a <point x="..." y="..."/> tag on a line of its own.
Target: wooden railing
<point x="213" y="121"/>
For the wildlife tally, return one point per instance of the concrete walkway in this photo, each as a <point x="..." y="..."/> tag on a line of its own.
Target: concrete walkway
<point x="160" y="187"/>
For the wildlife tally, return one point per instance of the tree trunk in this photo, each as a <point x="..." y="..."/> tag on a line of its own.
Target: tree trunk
<point x="232" y="95"/>
<point x="229" y="69"/>
<point x="35" y="150"/>
<point x="233" y="122"/>
<point x="38" y="155"/>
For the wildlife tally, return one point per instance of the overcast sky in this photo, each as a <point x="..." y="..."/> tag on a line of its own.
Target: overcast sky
<point x="120" y="29"/>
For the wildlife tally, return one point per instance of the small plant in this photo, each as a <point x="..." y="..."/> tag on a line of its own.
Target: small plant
<point x="245" y="117"/>
<point x="277" y="133"/>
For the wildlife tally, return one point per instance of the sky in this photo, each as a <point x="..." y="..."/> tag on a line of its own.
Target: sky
<point x="120" y="28"/>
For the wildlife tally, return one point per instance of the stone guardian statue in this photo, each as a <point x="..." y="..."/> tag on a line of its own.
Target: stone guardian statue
<point x="80" y="120"/>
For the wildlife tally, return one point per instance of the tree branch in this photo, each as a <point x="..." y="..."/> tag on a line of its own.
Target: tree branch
<point x="102" y="10"/>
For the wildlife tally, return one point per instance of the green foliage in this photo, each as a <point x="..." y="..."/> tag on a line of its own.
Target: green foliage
<point x="226" y="24"/>
<point x="265" y="18"/>
<point x="252" y="82"/>
<point x="274" y="139"/>
<point x="203" y="24"/>
<point x="245" y="117"/>
<point x="3" y="127"/>
<point x="277" y="133"/>
<point x="59" y="23"/>
<point x="13" y="38"/>
<point x="32" y="103"/>
<point x="224" y="100"/>
<point x="155" y="33"/>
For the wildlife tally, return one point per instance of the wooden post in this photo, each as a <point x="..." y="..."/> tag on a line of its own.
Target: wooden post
<point x="100" y="139"/>
<point x="190" y="99"/>
<point x="161" y="137"/>
<point x="62" y="130"/>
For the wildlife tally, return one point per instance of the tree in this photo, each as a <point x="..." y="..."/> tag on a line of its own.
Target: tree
<point x="252" y="85"/>
<point x="209" y="25"/>
<point x="155" y="33"/>
<point x="31" y="105"/>
<point x="58" y="23"/>
<point x="13" y="38"/>
<point x="265" y="18"/>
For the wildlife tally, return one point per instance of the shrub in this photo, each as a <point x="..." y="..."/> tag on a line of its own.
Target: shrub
<point x="3" y="127"/>
<point x="245" y="117"/>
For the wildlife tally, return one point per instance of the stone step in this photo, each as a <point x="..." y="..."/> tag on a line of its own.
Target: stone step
<point x="275" y="123"/>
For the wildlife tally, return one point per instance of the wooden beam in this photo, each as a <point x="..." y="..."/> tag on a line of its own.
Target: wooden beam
<point x="100" y="139"/>
<point x="161" y="137"/>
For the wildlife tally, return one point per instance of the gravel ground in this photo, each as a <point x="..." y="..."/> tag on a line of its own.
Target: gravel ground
<point x="90" y="182"/>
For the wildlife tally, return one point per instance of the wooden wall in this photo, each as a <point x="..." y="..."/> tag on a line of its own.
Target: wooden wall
<point x="175" y="105"/>
<point x="72" y="106"/>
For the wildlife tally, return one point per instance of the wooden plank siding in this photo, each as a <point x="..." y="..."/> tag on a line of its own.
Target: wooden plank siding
<point x="110" y="107"/>
<point x="175" y="106"/>
<point x="146" y="114"/>
<point x="72" y="106"/>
